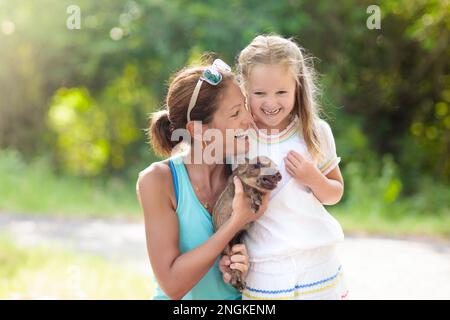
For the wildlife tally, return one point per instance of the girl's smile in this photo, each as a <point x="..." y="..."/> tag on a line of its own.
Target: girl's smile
<point x="271" y="112"/>
<point x="271" y="91"/>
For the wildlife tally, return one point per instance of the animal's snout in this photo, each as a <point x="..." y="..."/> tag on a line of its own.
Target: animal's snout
<point x="272" y="178"/>
<point x="278" y="176"/>
<point x="270" y="181"/>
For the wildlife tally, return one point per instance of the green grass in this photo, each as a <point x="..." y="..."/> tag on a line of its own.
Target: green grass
<point x="373" y="223"/>
<point x="42" y="273"/>
<point x="35" y="189"/>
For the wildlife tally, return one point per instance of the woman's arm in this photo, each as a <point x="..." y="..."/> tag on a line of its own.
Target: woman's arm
<point x="178" y="273"/>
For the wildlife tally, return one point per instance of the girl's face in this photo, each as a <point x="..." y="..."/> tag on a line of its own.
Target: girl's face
<point x="232" y="119"/>
<point x="271" y="96"/>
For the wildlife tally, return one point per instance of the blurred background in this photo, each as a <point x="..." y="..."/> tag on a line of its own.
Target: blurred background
<point x="74" y="106"/>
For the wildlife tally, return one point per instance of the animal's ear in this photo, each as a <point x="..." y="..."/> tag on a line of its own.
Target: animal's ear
<point x="247" y="160"/>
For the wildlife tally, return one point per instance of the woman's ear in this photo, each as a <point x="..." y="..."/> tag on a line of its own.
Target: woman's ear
<point x="196" y="129"/>
<point x="190" y="128"/>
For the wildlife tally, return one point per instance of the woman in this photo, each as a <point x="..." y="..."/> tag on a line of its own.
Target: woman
<point x="176" y="193"/>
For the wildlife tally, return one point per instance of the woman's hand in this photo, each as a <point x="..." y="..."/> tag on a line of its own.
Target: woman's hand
<point x="302" y="169"/>
<point x="238" y="261"/>
<point x="242" y="212"/>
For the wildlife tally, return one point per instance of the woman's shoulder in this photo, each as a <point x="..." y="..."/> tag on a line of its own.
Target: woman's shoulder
<point x="156" y="180"/>
<point x="157" y="174"/>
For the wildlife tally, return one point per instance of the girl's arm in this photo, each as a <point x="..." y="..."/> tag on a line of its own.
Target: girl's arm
<point x="178" y="273"/>
<point x="327" y="189"/>
<point x="330" y="188"/>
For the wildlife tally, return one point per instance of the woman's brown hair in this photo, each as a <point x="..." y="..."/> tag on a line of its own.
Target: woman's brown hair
<point x="174" y="113"/>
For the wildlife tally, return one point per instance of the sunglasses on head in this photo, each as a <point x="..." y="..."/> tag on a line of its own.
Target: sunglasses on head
<point x="213" y="76"/>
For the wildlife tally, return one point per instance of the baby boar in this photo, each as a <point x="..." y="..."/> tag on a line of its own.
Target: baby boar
<point x="258" y="176"/>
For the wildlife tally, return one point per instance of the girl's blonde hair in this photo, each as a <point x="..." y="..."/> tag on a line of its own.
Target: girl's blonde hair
<point x="274" y="49"/>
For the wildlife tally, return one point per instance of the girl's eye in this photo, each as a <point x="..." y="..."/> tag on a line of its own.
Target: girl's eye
<point x="282" y="92"/>
<point x="259" y="93"/>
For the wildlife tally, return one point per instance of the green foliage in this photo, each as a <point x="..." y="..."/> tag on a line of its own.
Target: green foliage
<point x="92" y="136"/>
<point x="82" y="145"/>
<point x="124" y="101"/>
<point x="394" y="80"/>
<point x="377" y="189"/>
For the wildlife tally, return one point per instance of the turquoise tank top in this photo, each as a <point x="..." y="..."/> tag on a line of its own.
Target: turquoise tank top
<point x="195" y="227"/>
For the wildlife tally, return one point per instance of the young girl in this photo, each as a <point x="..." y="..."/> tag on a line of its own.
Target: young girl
<point x="291" y="247"/>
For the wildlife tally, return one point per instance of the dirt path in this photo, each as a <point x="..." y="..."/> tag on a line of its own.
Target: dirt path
<point x="375" y="268"/>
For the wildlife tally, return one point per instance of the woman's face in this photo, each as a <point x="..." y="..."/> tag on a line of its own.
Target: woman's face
<point x="232" y="119"/>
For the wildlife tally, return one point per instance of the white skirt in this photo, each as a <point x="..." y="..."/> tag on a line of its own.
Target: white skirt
<point x="308" y="275"/>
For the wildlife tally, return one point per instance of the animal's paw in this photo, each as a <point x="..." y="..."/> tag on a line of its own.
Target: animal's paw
<point x="237" y="282"/>
<point x="255" y="207"/>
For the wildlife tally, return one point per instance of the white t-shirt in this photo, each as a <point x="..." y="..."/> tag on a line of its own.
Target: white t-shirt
<point x="295" y="219"/>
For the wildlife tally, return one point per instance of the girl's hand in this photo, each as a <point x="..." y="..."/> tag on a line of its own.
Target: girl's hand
<point x="302" y="169"/>
<point x="242" y="212"/>
<point x="239" y="261"/>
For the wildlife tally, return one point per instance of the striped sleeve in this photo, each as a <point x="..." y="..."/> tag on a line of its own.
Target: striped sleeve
<point x="328" y="148"/>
